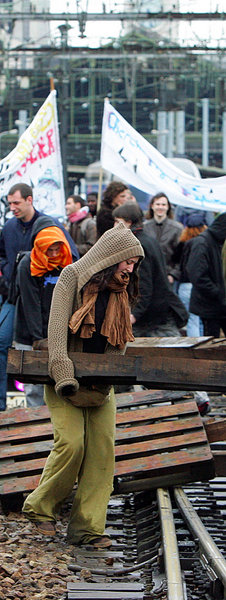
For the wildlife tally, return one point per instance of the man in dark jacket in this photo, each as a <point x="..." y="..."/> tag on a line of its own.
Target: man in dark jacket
<point x="16" y="233"/>
<point x="16" y="236"/>
<point x="159" y="312"/>
<point x="204" y="268"/>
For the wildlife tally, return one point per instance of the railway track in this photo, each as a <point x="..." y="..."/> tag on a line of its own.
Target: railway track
<point x="168" y="544"/>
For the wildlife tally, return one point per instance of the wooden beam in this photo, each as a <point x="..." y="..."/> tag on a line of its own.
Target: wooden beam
<point x="220" y="462"/>
<point x="157" y="372"/>
<point x="183" y="347"/>
<point x="215" y="429"/>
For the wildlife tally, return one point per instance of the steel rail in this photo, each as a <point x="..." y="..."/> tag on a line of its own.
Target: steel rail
<point x="175" y="589"/>
<point x="207" y="544"/>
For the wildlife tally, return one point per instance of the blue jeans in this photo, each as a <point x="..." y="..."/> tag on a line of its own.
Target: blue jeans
<point x="6" y="338"/>
<point x="194" y="329"/>
<point x="194" y="324"/>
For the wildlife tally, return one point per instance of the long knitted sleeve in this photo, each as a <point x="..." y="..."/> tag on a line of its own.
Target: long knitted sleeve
<point x="61" y="368"/>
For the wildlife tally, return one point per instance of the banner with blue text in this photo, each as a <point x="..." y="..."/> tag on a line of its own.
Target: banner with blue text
<point x="125" y="153"/>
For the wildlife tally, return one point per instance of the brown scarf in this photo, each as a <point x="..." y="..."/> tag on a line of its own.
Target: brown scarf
<point x="116" y="326"/>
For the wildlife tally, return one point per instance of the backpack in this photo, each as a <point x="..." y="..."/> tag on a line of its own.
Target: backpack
<point x="13" y="292"/>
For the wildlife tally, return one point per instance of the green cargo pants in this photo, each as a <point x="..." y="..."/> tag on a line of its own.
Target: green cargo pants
<point x="83" y="452"/>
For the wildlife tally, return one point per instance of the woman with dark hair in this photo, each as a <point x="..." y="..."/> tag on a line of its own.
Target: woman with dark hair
<point x="165" y="230"/>
<point x="90" y="313"/>
<point x="116" y="194"/>
<point x="158" y="312"/>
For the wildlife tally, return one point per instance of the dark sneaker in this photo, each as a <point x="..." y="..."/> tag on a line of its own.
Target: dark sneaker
<point x="204" y="409"/>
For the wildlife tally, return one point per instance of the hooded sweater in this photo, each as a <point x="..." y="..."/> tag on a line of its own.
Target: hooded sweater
<point x="204" y="268"/>
<point x="114" y="246"/>
<point x="34" y="294"/>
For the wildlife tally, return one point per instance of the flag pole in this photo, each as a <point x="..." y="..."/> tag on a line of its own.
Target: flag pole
<point x="52" y="86"/>
<point x="100" y="177"/>
<point x="99" y="188"/>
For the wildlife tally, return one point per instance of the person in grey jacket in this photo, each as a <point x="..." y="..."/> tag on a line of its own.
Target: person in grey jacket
<point x="165" y="230"/>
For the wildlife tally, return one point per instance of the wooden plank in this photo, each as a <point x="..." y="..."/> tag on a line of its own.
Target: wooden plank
<point x="176" y="373"/>
<point x="15" y="467"/>
<point x="14" y="451"/>
<point x="24" y="415"/>
<point x="41" y="413"/>
<point x="105" y="595"/>
<point x="19" y="484"/>
<point x="159" y="372"/>
<point x="149" y="397"/>
<point x="215" y="429"/>
<point x="123" y="486"/>
<point x="220" y="462"/>
<point x="26" y="431"/>
<point x="165" y="460"/>
<point x="157" y="429"/>
<point x="156" y="412"/>
<point x="169" y="342"/>
<point x="100" y="585"/>
<point x="184" y="347"/>
<point x="166" y="444"/>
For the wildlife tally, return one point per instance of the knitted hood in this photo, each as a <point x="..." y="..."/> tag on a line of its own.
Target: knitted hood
<point x="114" y="246"/>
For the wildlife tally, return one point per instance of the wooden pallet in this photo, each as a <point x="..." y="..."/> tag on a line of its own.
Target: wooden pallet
<point x="160" y="440"/>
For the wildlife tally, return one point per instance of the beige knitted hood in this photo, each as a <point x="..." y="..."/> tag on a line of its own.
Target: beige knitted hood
<point x="114" y="246"/>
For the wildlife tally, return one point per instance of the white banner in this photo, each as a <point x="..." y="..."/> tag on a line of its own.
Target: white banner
<point x="127" y="154"/>
<point x="36" y="160"/>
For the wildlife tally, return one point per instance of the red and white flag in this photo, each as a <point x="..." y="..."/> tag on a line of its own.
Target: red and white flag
<point x="36" y="160"/>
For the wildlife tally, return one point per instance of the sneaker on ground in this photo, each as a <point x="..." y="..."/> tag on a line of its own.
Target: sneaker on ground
<point x="45" y="527"/>
<point x="204" y="409"/>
